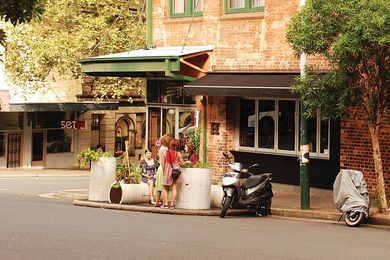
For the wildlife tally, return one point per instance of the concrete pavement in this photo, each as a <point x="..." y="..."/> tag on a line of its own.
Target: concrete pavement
<point x="286" y="201"/>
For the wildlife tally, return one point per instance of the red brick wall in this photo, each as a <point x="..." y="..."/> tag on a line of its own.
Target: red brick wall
<point x="252" y="41"/>
<point x="356" y="150"/>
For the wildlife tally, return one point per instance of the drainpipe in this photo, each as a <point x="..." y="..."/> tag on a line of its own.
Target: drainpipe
<point x="204" y="102"/>
<point x="304" y="146"/>
<point x="149" y="22"/>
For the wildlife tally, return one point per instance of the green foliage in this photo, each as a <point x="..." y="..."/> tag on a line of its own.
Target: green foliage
<point x="199" y="164"/>
<point x="21" y="11"/>
<point x="195" y="140"/>
<point x="89" y="155"/>
<point x="132" y="175"/>
<point x="355" y="38"/>
<point x="69" y="30"/>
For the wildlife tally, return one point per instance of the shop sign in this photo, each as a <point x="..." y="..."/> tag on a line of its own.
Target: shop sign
<point x="68" y="124"/>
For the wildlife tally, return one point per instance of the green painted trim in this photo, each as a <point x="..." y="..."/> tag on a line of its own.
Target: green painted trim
<point x="149" y="32"/>
<point x="135" y="66"/>
<point x="188" y="12"/>
<point x="122" y="59"/>
<point x="246" y="9"/>
<point x="204" y="129"/>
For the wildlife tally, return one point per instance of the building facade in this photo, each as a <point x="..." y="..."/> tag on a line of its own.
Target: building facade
<point x="233" y="55"/>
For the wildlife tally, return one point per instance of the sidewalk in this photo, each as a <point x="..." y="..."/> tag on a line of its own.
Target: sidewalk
<point x="286" y="200"/>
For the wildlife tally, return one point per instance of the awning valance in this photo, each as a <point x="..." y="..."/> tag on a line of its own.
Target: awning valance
<point x="272" y="85"/>
<point x="187" y="62"/>
<point x="71" y="106"/>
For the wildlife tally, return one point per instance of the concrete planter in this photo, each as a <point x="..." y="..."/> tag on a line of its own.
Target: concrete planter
<point x="129" y="193"/>
<point x="216" y="196"/>
<point x="195" y="188"/>
<point x="102" y="176"/>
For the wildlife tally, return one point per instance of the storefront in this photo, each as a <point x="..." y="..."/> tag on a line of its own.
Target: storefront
<point x="166" y="69"/>
<point x="48" y="135"/>
<point x="260" y="119"/>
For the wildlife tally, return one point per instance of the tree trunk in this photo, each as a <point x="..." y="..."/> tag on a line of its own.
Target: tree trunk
<point x="380" y="182"/>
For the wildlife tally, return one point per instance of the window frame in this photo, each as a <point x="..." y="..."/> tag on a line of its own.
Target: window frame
<point x="246" y="9"/>
<point x="189" y="9"/>
<point x="276" y="151"/>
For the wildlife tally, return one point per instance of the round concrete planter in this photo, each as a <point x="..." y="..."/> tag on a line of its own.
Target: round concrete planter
<point x="216" y="196"/>
<point x="102" y="176"/>
<point x="194" y="189"/>
<point x="129" y="193"/>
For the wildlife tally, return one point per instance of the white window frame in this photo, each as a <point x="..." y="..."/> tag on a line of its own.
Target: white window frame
<point x="275" y="150"/>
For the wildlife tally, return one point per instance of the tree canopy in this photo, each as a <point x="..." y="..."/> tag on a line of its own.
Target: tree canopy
<point x="354" y="37"/>
<point x="19" y="11"/>
<point x="69" y="30"/>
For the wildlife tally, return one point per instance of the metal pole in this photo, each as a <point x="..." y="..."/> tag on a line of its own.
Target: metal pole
<point x="204" y="102"/>
<point x="149" y="21"/>
<point x="304" y="146"/>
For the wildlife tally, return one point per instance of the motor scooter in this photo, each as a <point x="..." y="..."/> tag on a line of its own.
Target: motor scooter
<point x="351" y="197"/>
<point x="244" y="190"/>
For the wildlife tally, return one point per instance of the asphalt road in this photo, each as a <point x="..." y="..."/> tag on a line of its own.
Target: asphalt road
<point x="32" y="227"/>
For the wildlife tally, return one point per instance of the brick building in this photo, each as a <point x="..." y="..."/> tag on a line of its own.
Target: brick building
<point x="244" y="73"/>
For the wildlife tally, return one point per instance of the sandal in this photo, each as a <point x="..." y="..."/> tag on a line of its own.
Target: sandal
<point x="152" y="202"/>
<point x="172" y="207"/>
<point x="163" y="206"/>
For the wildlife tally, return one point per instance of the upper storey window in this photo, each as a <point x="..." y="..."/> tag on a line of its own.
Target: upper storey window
<point x="242" y="6"/>
<point x="184" y="8"/>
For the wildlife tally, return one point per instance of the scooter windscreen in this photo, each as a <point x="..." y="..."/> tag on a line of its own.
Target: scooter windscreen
<point x="236" y="166"/>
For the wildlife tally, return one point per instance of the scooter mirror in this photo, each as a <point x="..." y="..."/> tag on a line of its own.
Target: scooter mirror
<point x="226" y="156"/>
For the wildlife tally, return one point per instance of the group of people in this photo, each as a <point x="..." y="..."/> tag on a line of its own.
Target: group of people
<point x="158" y="173"/>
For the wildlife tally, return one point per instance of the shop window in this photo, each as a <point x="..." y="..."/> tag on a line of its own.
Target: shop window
<point x="242" y="6"/>
<point x="286" y="125"/>
<point x="277" y="128"/>
<point x="59" y="141"/>
<point x="2" y="144"/>
<point x="247" y="122"/>
<point x="267" y="124"/>
<point x="95" y="124"/>
<point x="184" y="8"/>
<point x="168" y="92"/>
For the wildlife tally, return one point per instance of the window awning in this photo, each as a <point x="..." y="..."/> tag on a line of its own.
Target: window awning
<point x="186" y="63"/>
<point x="272" y="85"/>
<point x="71" y="106"/>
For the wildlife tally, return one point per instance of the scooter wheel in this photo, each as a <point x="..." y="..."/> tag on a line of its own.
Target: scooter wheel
<point x="225" y="206"/>
<point x="354" y="220"/>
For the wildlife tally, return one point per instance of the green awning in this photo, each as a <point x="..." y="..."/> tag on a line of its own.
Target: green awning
<point x="175" y="62"/>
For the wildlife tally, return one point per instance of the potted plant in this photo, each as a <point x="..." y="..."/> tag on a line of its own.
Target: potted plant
<point x="128" y="187"/>
<point x="102" y="172"/>
<point x="196" y="179"/>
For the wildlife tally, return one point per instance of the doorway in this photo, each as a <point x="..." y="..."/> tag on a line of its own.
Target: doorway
<point x="38" y="156"/>
<point x="14" y="150"/>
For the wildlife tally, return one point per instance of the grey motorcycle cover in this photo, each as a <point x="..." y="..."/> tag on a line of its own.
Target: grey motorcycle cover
<point x="350" y="191"/>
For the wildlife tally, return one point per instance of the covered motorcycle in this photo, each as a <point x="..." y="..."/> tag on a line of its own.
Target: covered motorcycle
<point x="351" y="196"/>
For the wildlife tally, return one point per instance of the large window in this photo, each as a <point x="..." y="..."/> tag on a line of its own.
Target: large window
<point x="272" y="126"/>
<point x="59" y="141"/>
<point x="183" y="8"/>
<point x="241" y="6"/>
<point x="2" y="144"/>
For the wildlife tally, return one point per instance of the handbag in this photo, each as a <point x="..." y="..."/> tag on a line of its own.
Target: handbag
<point x="175" y="172"/>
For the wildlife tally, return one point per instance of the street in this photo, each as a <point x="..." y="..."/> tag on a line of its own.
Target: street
<point x="32" y="227"/>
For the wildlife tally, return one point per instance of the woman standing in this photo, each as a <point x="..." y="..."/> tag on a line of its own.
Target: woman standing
<point x="148" y="168"/>
<point x="163" y="144"/>
<point x="172" y="157"/>
<point x="192" y="156"/>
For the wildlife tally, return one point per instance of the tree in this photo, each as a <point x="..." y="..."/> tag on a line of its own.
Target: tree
<point x="69" y="30"/>
<point x="354" y="37"/>
<point x="17" y="12"/>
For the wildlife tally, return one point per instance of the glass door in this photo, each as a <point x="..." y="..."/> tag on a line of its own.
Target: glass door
<point x="38" y="148"/>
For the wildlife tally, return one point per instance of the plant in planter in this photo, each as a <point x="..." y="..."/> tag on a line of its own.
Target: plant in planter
<point x="89" y="155"/>
<point x="126" y="188"/>
<point x="102" y="172"/>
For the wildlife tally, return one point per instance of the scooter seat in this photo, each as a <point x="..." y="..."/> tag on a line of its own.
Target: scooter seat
<point x="254" y="180"/>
